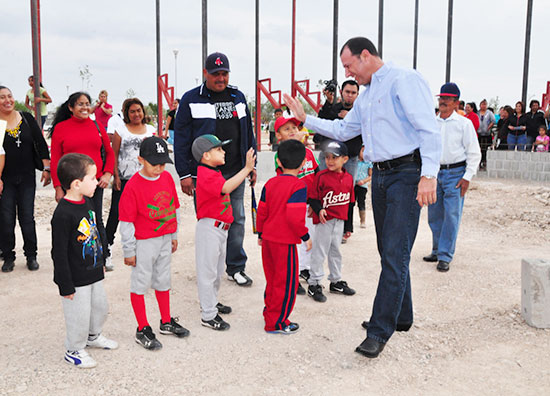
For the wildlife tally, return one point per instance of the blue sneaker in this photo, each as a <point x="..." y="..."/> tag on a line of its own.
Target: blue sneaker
<point x="290" y="329"/>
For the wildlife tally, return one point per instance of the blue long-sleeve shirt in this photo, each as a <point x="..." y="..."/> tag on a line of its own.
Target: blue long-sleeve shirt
<point x="395" y="116"/>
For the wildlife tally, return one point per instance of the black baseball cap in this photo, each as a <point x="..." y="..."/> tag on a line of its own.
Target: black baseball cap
<point x="155" y="151"/>
<point x="205" y="143"/>
<point x="450" y="89"/>
<point x="336" y="148"/>
<point x="216" y="62"/>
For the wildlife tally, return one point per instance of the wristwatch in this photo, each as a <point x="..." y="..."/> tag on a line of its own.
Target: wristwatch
<point x="430" y="177"/>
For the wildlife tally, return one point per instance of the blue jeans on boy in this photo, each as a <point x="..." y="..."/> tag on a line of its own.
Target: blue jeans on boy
<point x="444" y="216"/>
<point x="396" y="215"/>
<point x="518" y="141"/>
<point x="17" y="200"/>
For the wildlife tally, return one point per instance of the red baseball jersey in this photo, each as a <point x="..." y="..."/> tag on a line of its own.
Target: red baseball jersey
<point x="281" y="213"/>
<point x="211" y="202"/>
<point x="151" y="205"/>
<point x="307" y="173"/>
<point x="334" y="191"/>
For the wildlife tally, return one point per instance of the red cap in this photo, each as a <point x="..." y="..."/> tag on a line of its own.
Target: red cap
<point x="279" y="122"/>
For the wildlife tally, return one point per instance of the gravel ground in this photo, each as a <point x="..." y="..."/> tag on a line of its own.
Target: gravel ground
<point x="468" y="336"/>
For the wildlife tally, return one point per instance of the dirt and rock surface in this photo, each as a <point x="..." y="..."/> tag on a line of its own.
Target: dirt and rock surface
<point x="468" y="336"/>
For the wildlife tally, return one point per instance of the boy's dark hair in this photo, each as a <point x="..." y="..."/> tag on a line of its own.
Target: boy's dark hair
<point x="356" y="45"/>
<point x="71" y="167"/>
<point x="291" y="153"/>
<point x="278" y="110"/>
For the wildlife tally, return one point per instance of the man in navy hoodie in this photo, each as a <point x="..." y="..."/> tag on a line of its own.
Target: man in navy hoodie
<point x="217" y="108"/>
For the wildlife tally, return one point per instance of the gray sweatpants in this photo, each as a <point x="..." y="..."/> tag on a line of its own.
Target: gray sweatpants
<point x="210" y="251"/>
<point x="85" y="314"/>
<point x="328" y="238"/>
<point x="152" y="268"/>
<point x="304" y="257"/>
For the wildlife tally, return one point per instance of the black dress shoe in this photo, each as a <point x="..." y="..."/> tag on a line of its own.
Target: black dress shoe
<point x="399" y="327"/>
<point x="370" y="348"/>
<point x="32" y="264"/>
<point x="432" y="258"/>
<point x="443" y="266"/>
<point x="8" y="265"/>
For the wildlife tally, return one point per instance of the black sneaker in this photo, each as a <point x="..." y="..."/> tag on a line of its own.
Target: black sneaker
<point x="223" y="309"/>
<point x="240" y="278"/>
<point x="290" y="329"/>
<point x="301" y="291"/>
<point x="173" y="327"/>
<point x="8" y="265"/>
<point x="146" y="338"/>
<point x="217" y="323"/>
<point x="304" y="274"/>
<point x="32" y="264"/>
<point x="316" y="292"/>
<point x="341" y="287"/>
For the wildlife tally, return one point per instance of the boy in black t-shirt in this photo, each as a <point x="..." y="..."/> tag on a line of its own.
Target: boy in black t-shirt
<point x="78" y="259"/>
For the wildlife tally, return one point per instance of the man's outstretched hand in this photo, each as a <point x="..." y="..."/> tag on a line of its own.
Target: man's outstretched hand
<point x="295" y="106"/>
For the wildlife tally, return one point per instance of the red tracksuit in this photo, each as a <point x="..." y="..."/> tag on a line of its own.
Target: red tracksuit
<point x="281" y="225"/>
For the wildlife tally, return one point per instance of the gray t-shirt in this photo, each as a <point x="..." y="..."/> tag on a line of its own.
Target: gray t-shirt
<point x="484" y="121"/>
<point x="128" y="163"/>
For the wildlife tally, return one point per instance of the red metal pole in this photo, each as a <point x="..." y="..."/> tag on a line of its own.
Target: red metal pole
<point x="293" y="56"/>
<point x="258" y="117"/>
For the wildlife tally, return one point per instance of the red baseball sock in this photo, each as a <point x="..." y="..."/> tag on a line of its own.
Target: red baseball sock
<point x="138" y="304"/>
<point x="163" y="298"/>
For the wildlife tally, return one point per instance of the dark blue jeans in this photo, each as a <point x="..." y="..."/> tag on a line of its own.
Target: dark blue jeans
<point x="112" y="221"/>
<point x="17" y="200"/>
<point x="235" y="258"/>
<point x="396" y="215"/>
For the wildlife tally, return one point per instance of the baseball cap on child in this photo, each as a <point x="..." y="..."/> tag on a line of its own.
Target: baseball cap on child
<point x="205" y="143"/>
<point x="279" y="122"/>
<point x="336" y="148"/>
<point x="155" y="151"/>
<point x="216" y="62"/>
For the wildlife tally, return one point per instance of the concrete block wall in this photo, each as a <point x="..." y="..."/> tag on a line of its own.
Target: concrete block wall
<point x="521" y="165"/>
<point x="535" y="292"/>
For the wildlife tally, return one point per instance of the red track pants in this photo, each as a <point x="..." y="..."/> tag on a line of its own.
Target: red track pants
<point x="280" y="263"/>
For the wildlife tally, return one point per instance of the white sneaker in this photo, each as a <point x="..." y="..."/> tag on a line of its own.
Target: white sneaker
<point x="80" y="359"/>
<point x="241" y="279"/>
<point x="102" y="342"/>
<point x="109" y="266"/>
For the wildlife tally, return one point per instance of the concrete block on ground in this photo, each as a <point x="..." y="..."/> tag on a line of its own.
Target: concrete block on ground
<point x="531" y="166"/>
<point x="525" y="175"/>
<point x="499" y="164"/>
<point x="547" y="167"/>
<point x="539" y="166"/>
<point x="514" y="165"/>
<point x="535" y="292"/>
<point x="524" y="166"/>
<point x="502" y="174"/>
<point x="492" y="173"/>
<point x="517" y="175"/>
<point x="510" y="155"/>
<point x="507" y="165"/>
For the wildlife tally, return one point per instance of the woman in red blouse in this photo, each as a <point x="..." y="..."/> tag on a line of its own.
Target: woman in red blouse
<point x="74" y="132"/>
<point x="471" y="114"/>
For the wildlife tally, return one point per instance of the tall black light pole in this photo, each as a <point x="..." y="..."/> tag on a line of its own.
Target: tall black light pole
<point x="527" y="48"/>
<point x="449" y="41"/>
<point x="415" y="45"/>
<point x="380" y="26"/>
<point x="204" y="33"/>
<point x="159" y="93"/>
<point x="335" y="42"/>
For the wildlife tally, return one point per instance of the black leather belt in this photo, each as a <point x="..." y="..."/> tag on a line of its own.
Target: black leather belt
<point x="451" y="166"/>
<point x="394" y="163"/>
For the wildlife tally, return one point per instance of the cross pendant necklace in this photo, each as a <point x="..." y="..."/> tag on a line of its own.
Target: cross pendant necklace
<point x="18" y="142"/>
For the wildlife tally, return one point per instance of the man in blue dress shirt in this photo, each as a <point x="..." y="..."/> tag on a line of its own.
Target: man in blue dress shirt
<point x="395" y="116"/>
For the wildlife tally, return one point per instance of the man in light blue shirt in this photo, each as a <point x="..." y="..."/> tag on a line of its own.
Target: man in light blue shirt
<point x="395" y="116"/>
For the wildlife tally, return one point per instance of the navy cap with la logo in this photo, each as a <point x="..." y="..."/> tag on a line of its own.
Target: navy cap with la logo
<point x="155" y="151"/>
<point x="216" y="62"/>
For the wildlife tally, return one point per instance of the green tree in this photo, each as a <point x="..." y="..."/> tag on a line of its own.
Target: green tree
<point x="20" y="106"/>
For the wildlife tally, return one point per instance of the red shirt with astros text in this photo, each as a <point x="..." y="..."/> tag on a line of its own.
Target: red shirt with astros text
<point x="335" y="192"/>
<point x="151" y="205"/>
<point x="211" y="202"/>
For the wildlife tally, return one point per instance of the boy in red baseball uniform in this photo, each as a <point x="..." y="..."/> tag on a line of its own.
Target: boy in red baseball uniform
<point x="330" y="197"/>
<point x="214" y="215"/>
<point x="281" y="225"/>
<point x="149" y="214"/>
<point x="286" y="129"/>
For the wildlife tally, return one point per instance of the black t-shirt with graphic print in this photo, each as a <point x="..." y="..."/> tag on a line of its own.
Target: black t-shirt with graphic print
<point x="228" y="127"/>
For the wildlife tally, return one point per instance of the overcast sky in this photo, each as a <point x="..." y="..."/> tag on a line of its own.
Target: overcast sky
<point x="116" y="39"/>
